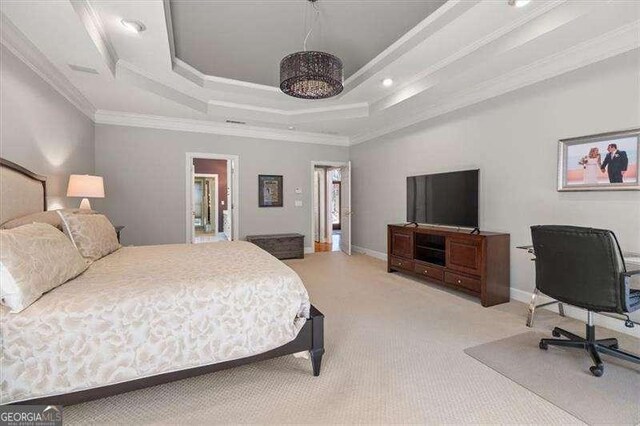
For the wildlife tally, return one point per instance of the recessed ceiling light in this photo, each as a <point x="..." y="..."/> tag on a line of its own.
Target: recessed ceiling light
<point x="387" y="82"/>
<point x="519" y="3"/>
<point x="291" y="128"/>
<point x="133" y="26"/>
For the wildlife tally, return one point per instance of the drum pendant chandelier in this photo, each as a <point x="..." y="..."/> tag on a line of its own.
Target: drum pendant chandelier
<point x="311" y="74"/>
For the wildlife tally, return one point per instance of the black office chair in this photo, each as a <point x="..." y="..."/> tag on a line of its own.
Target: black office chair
<point x="584" y="267"/>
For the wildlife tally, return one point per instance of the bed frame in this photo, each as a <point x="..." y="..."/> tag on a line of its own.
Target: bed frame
<point x="310" y="338"/>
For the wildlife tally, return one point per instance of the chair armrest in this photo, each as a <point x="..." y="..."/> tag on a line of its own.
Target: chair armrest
<point x="630" y="274"/>
<point x="626" y="279"/>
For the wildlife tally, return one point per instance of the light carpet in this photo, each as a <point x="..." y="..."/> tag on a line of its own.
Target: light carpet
<point x="394" y="354"/>
<point x="562" y="377"/>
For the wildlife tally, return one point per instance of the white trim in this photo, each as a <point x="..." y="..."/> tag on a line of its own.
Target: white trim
<point x="586" y="53"/>
<point x="442" y="16"/>
<point x="309" y="250"/>
<point x="525" y="297"/>
<point x="216" y="179"/>
<point x="209" y="81"/>
<point x="233" y="204"/>
<point x="361" y="109"/>
<point x="575" y="312"/>
<point x="140" y="78"/>
<point x="16" y="42"/>
<point x="166" y="9"/>
<point x="202" y="126"/>
<point x="313" y="166"/>
<point x="93" y="24"/>
<point x="368" y="252"/>
<point x="419" y="82"/>
<point x="293" y="115"/>
<point x="433" y="23"/>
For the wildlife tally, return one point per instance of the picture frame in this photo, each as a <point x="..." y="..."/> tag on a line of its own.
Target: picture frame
<point x="270" y="191"/>
<point x="585" y="163"/>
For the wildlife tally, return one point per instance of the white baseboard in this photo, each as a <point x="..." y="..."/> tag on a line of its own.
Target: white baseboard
<point x="308" y="250"/>
<point x="368" y="252"/>
<point x="525" y="297"/>
<point x="576" y="313"/>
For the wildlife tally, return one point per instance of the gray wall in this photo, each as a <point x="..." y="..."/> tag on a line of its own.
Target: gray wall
<point x="144" y="172"/>
<point x="41" y="130"/>
<point x="513" y="140"/>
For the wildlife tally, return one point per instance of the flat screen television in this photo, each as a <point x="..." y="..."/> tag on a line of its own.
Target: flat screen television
<point x="444" y="198"/>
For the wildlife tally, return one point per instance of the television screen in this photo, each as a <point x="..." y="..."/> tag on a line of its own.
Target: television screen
<point x="444" y="198"/>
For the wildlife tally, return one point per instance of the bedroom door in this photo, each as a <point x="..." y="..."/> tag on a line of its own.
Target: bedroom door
<point x="345" y="208"/>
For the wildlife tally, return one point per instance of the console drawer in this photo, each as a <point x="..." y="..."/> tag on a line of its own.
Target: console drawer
<point x="402" y="263"/>
<point x="462" y="281"/>
<point x="429" y="271"/>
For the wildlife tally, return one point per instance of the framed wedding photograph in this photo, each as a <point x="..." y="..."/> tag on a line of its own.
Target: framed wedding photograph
<point x="603" y="162"/>
<point x="270" y="191"/>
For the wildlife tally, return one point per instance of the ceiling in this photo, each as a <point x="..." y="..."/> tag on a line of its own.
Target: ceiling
<point x="463" y="53"/>
<point x="245" y="40"/>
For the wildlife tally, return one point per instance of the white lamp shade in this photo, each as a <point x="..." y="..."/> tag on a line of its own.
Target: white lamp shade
<point x="85" y="186"/>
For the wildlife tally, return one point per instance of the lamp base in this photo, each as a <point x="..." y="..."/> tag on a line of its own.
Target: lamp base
<point x="85" y="204"/>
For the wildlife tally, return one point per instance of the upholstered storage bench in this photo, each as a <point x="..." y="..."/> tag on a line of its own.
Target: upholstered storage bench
<point x="282" y="246"/>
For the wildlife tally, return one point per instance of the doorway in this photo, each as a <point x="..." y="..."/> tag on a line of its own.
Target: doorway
<point x="207" y="204"/>
<point x="211" y="198"/>
<point x="331" y="207"/>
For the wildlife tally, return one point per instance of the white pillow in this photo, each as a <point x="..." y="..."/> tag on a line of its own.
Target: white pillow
<point x="50" y="216"/>
<point x="92" y="234"/>
<point x="34" y="259"/>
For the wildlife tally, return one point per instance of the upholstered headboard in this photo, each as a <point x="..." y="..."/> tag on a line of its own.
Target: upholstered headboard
<point x="22" y="192"/>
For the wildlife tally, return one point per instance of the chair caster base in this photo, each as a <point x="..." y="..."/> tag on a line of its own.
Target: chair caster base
<point x="543" y="346"/>
<point x="597" y="370"/>
<point x="555" y="333"/>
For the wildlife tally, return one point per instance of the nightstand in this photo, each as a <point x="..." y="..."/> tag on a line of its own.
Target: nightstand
<point x="118" y="229"/>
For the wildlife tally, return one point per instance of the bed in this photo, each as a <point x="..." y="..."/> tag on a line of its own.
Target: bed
<point x="143" y="316"/>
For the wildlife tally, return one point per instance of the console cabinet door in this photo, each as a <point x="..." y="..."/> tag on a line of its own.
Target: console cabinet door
<point x="464" y="255"/>
<point x="402" y="243"/>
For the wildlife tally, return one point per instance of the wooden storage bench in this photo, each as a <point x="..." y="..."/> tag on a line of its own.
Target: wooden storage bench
<point x="282" y="246"/>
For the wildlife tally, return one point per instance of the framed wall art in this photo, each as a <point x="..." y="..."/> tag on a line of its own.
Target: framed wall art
<point x="604" y="162"/>
<point x="270" y="191"/>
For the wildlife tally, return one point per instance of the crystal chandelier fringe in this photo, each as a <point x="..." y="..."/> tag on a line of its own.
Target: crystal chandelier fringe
<point x="311" y="74"/>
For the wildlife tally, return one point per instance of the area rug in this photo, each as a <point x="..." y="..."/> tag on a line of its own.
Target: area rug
<point x="562" y="377"/>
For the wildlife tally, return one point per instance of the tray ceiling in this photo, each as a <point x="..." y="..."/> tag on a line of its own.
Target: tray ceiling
<point x="463" y="53"/>
<point x="245" y="40"/>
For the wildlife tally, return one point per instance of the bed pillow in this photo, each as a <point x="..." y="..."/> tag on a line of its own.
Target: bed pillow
<point x="92" y="234"/>
<point x="50" y="216"/>
<point x="34" y="259"/>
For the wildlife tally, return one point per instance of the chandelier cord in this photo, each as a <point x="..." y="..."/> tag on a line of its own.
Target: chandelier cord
<point x="304" y="44"/>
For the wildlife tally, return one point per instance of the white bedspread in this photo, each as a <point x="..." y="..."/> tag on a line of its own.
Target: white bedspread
<point x="142" y="311"/>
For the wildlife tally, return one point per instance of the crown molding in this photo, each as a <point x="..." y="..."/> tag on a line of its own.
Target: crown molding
<point x="444" y="15"/>
<point x="588" y="52"/>
<point x="137" y="77"/>
<point x="216" y="83"/>
<point x="202" y="126"/>
<point x="16" y="42"/>
<point x="420" y="82"/>
<point x="93" y="24"/>
<point x="140" y="78"/>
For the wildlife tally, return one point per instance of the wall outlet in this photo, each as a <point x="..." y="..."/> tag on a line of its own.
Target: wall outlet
<point x="298" y="203"/>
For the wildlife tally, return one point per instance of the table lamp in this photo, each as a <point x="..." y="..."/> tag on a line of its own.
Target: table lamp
<point x="85" y="186"/>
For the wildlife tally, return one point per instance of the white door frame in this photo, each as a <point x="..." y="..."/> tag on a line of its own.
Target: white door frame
<point x="315" y="164"/>
<point x="217" y="199"/>
<point x="233" y="169"/>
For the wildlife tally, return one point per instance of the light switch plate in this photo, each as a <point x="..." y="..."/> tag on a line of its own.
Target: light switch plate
<point x="298" y="203"/>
